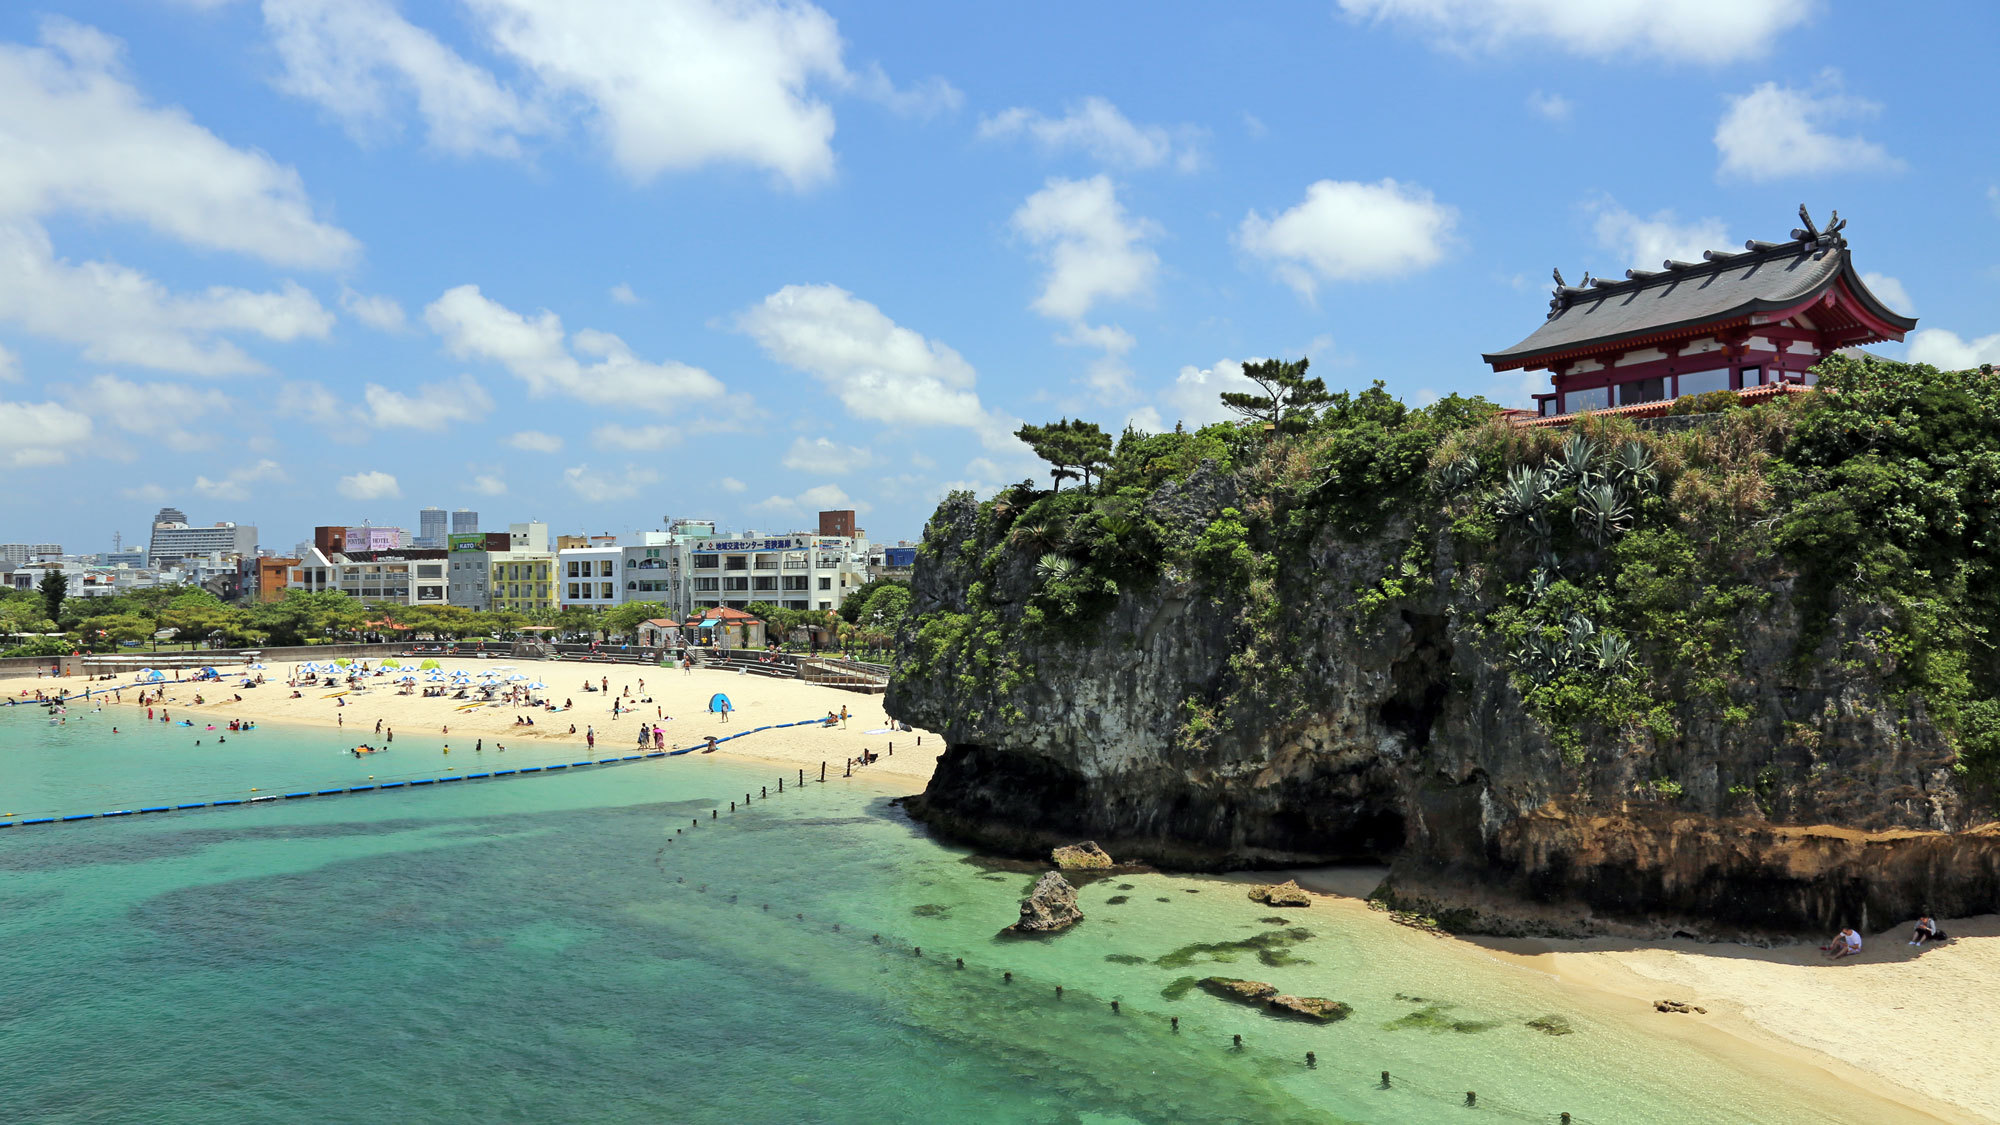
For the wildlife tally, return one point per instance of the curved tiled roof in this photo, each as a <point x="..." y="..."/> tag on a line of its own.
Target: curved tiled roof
<point x="1725" y="286"/>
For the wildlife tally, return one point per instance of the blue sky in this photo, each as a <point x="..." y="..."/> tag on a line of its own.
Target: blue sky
<point x="599" y="261"/>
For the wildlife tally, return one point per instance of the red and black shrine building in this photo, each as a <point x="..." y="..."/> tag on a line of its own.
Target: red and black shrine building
<point x="1741" y="320"/>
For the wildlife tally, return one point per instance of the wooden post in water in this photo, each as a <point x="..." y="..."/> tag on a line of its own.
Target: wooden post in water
<point x="822" y="773"/>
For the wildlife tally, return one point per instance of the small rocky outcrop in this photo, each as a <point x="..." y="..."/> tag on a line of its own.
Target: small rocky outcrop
<point x="1287" y="893"/>
<point x="1267" y="996"/>
<point x="1086" y="856"/>
<point x="1242" y="991"/>
<point x="1049" y="908"/>
<point x="1679" y="1006"/>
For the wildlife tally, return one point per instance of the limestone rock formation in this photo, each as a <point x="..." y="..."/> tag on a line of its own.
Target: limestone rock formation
<point x="1049" y="908"/>
<point x="1287" y="893"/>
<point x="1084" y="856"/>
<point x="1678" y="1006"/>
<point x="1403" y="737"/>
<point x="1257" y="993"/>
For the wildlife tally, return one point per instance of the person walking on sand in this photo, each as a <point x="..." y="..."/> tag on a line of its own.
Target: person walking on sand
<point x="378" y="726"/>
<point x="590" y="737"/>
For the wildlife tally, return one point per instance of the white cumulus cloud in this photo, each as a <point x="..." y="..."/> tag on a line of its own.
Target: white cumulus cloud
<point x="676" y="84"/>
<point x="371" y="485"/>
<point x="383" y="314"/>
<point x="622" y="293"/>
<point x="1647" y="243"/>
<point x="535" y="441"/>
<point x="369" y="67"/>
<point x="1947" y="351"/>
<point x="823" y="498"/>
<point x="731" y="484"/>
<point x="1891" y="291"/>
<point x="596" y="487"/>
<point x="534" y="350"/>
<point x="434" y="406"/>
<point x="616" y="435"/>
<point x="185" y="419"/>
<point x="236" y="484"/>
<point x="41" y="433"/>
<point x="1701" y="31"/>
<point x="1194" y="398"/>
<point x="1554" y="107"/>
<point x="1349" y="231"/>
<point x="80" y="138"/>
<point x="119" y="315"/>
<point x="1093" y="249"/>
<point x="1774" y="132"/>
<point x="1096" y="127"/>
<point x="826" y="457"/>
<point x="878" y="369"/>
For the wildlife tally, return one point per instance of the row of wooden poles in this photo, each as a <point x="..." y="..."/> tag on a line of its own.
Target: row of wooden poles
<point x="1386" y="1081"/>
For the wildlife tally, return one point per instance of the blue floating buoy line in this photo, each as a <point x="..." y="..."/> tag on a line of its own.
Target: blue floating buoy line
<point x="379" y="787"/>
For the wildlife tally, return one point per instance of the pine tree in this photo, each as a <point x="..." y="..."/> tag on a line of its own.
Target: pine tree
<point x="1290" y="401"/>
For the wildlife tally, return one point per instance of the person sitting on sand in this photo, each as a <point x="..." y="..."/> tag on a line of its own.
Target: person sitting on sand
<point x="1927" y="930"/>
<point x="1846" y="943"/>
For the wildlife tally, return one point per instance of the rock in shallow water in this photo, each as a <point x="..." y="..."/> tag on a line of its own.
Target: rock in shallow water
<point x="1049" y="908"/>
<point x="1317" y="1008"/>
<point x="1287" y="893"/>
<point x="1084" y="856"/>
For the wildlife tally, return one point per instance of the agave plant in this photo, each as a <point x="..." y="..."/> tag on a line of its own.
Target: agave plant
<point x="1614" y="653"/>
<point x="1538" y="585"/>
<point x="1577" y="466"/>
<point x="1632" y="467"/>
<point x="1601" y="513"/>
<point x="1456" y="475"/>
<point x="1539" y="657"/>
<point x="1579" y="630"/>
<point x="1522" y="497"/>
<point x="1054" y="568"/>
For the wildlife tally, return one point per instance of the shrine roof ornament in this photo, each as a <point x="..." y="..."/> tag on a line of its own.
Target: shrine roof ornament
<point x="1725" y="286"/>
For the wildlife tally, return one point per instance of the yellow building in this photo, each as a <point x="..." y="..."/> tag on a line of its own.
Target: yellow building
<point x="521" y="584"/>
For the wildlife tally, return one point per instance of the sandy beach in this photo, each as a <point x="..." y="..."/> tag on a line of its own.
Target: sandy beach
<point x="1893" y="1017"/>
<point x="678" y="704"/>
<point x="1906" y="1035"/>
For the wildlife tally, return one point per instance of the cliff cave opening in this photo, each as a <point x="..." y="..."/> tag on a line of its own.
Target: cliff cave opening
<point x="1419" y="680"/>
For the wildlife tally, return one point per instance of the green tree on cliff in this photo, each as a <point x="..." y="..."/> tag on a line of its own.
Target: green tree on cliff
<point x="1076" y="450"/>
<point x="1289" y="401"/>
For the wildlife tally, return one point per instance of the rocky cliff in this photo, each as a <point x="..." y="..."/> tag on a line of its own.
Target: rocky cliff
<point x="1667" y="721"/>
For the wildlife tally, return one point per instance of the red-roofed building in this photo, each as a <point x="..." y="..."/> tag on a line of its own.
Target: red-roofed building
<point x="1737" y="321"/>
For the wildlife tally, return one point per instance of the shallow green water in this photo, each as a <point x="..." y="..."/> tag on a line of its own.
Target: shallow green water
<point x="549" y="949"/>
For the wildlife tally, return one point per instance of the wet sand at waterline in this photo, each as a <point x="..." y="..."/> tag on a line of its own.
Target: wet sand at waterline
<point x="425" y="726"/>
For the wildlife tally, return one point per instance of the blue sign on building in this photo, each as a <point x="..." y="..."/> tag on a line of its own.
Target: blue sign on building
<point x="899" y="556"/>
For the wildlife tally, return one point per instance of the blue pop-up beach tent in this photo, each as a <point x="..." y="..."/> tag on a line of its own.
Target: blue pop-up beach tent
<point x="719" y="703"/>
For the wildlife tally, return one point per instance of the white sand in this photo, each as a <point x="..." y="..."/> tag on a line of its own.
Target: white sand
<point x="1891" y="1019"/>
<point x="421" y="722"/>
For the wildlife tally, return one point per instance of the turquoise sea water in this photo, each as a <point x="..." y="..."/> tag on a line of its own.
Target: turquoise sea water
<point x="549" y="949"/>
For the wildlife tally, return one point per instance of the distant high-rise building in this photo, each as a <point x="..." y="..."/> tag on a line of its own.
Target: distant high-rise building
<point x="22" y="553"/>
<point x="174" y="538"/>
<point x="431" y="528"/>
<point x="465" y="521"/>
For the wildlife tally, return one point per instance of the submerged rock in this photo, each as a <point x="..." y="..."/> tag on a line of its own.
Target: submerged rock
<point x="1287" y="893"/>
<point x="1551" y="1025"/>
<point x="1256" y="992"/>
<point x="1049" y="908"/>
<point x="1078" y="857"/>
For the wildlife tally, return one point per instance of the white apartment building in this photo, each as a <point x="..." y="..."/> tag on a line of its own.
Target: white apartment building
<point x="588" y="577"/>
<point x="404" y="578"/>
<point x="796" y="571"/>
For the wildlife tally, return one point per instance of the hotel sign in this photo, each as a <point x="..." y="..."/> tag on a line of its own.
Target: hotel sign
<point x="751" y="545"/>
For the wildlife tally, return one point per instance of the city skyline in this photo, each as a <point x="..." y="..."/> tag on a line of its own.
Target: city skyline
<point x="271" y="265"/>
